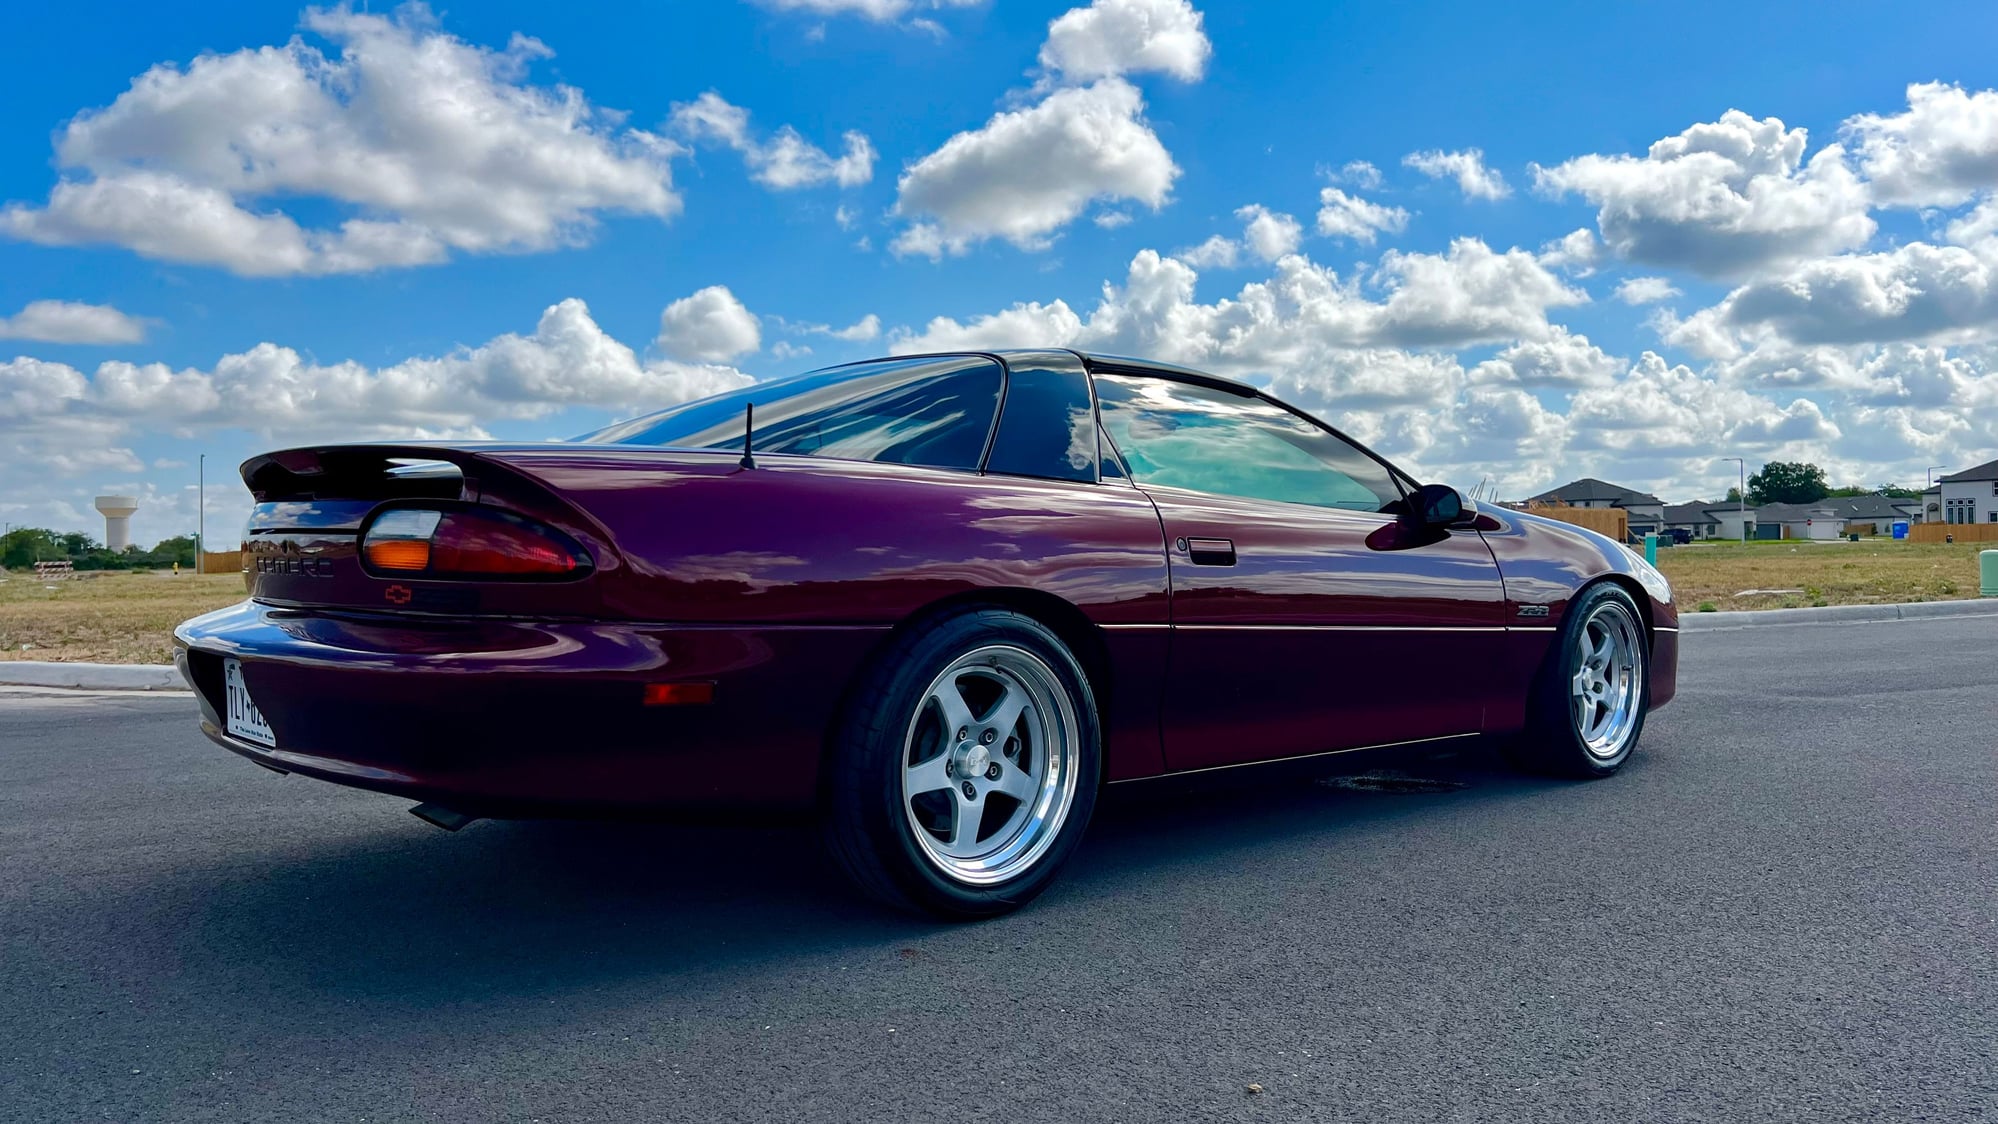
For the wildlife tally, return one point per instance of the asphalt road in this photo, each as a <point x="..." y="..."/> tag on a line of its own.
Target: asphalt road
<point x="1785" y="908"/>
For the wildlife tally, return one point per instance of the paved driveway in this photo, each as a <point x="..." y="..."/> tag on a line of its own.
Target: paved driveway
<point x="1783" y="909"/>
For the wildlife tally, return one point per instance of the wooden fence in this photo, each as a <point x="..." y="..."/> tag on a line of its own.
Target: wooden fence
<point x="222" y="562"/>
<point x="1611" y="521"/>
<point x="1962" y="532"/>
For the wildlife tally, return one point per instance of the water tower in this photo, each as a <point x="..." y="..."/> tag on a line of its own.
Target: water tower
<point x="117" y="520"/>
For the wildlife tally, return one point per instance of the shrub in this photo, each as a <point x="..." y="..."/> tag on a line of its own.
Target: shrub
<point x="1708" y="607"/>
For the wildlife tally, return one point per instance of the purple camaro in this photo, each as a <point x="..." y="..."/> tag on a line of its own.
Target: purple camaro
<point x="936" y="602"/>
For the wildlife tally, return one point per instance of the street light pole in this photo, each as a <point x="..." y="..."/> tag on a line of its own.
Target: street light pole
<point x="200" y="513"/>
<point x="1932" y="473"/>
<point x="1741" y="496"/>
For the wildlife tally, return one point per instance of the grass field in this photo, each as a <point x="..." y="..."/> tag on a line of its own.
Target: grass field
<point x="129" y="617"/>
<point x="124" y="617"/>
<point x="1868" y="572"/>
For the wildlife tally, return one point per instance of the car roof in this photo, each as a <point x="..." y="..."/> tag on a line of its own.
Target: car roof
<point x="1093" y="361"/>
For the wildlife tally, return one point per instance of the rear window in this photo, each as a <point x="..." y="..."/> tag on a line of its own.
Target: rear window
<point x="1048" y="427"/>
<point x="935" y="412"/>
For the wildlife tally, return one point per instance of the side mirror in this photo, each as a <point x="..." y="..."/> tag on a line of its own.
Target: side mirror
<point x="1436" y="505"/>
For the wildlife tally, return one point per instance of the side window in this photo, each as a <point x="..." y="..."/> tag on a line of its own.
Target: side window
<point x="935" y="412"/>
<point x="1184" y="435"/>
<point x="1047" y="427"/>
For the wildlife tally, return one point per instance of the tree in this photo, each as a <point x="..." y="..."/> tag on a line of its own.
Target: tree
<point x="1734" y="495"/>
<point x="24" y="546"/>
<point x="1788" y="482"/>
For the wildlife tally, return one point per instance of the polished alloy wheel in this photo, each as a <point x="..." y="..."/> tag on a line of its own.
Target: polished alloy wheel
<point x="1607" y="690"/>
<point x="989" y="764"/>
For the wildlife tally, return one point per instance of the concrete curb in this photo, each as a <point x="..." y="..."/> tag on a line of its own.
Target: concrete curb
<point x="1837" y="614"/>
<point x="92" y="676"/>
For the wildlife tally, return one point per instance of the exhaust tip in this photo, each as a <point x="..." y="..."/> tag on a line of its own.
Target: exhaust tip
<point x="436" y="815"/>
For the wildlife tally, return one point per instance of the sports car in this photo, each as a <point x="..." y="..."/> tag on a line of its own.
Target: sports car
<point x="936" y="603"/>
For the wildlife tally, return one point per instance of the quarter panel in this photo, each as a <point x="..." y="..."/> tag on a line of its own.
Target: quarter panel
<point x="805" y="541"/>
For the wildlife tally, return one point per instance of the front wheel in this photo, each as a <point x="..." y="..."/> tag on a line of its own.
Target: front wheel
<point x="1589" y="704"/>
<point x="966" y="768"/>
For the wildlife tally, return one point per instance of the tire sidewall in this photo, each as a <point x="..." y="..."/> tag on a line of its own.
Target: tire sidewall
<point x="876" y="766"/>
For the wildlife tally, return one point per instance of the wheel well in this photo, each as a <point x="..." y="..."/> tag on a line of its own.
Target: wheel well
<point x="1637" y="593"/>
<point x="1061" y="617"/>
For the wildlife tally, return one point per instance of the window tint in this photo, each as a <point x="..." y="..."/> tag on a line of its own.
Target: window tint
<point x="1188" y="436"/>
<point x="1047" y="427"/>
<point x="935" y="412"/>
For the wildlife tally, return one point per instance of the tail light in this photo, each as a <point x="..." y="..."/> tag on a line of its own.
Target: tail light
<point x="468" y="543"/>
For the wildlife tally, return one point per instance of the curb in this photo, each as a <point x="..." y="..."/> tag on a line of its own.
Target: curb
<point x="92" y="676"/>
<point x="1837" y="614"/>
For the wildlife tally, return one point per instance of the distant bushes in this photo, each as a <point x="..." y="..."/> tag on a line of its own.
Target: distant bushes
<point x="22" y="547"/>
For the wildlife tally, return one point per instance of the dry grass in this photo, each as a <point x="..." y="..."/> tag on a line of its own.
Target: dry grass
<point x="125" y="617"/>
<point x="1868" y="572"/>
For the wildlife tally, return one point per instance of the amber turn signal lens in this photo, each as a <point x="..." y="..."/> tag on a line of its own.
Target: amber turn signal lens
<point x="679" y="694"/>
<point x="398" y="554"/>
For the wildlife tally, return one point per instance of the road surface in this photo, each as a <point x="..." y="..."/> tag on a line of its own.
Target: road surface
<point x="1782" y="909"/>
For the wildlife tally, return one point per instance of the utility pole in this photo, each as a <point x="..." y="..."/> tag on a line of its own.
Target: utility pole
<point x="200" y="513"/>
<point x="1741" y="495"/>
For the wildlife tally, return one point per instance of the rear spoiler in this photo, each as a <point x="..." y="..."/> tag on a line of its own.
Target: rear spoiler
<point x="373" y="472"/>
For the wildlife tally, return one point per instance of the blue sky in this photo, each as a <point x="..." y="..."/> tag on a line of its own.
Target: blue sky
<point x="591" y="238"/>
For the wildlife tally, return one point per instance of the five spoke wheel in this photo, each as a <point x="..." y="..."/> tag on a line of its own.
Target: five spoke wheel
<point x="1606" y="689"/>
<point x="989" y="764"/>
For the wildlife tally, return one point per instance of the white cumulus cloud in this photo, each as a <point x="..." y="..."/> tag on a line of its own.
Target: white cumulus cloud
<point x="710" y="326"/>
<point x="1029" y="172"/>
<point x="1467" y="167"/>
<point x="1348" y="216"/>
<point x="1938" y="153"/>
<point x="783" y="162"/>
<point x="430" y="144"/>
<point x="1645" y="290"/>
<point x="1115" y="37"/>
<point x="1721" y="199"/>
<point x="878" y="11"/>
<point x="1269" y="234"/>
<point x="72" y="322"/>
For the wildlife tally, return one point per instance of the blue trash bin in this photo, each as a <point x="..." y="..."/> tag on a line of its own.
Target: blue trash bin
<point x="1900" y="528"/>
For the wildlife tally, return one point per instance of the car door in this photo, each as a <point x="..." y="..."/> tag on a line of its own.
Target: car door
<point x="1305" y="617"/>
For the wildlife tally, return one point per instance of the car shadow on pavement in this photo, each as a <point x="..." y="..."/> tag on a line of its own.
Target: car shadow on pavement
<point x="410" y="916"/>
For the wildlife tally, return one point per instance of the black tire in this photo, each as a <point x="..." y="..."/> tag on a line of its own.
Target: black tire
<point x="868" y="821"/>
<point x="1553" y="742"/>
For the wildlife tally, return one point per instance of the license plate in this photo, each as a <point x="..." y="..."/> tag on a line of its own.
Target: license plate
<point x="244" y="720"/>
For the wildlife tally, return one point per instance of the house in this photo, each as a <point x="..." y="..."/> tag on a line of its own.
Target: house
<point x="1699" y="519"/>
<point x="1834" y="516"/>
<point x="1736" y="521"/>
<point x="1799" y="521"/>
<point x="1645" y="511"/>
<point x="1875" y="514"/>
<point x="1970" y="496"/>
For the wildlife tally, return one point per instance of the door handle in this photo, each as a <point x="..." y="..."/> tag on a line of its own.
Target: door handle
<point x="1209" y="552"/>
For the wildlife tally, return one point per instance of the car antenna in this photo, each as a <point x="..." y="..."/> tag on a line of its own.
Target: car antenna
<point x="748" y="435"/>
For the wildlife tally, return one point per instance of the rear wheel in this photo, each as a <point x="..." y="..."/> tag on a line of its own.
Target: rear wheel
<point x="965" y="771"/>
<point x="1589" y="703"/>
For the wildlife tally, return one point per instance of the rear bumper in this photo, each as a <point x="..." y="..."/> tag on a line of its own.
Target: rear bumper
<point x="505" y="717"/>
